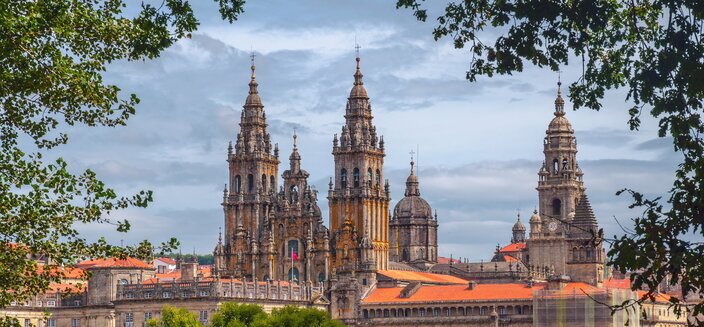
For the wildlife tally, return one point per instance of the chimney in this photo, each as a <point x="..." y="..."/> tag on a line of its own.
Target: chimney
<point x="188" y="271"/>
<point x="471" y="285"/>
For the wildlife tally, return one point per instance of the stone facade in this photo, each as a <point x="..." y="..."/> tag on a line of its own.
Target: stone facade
<point x="359" y="196"/>
<point x="267" y="226"/>
<point x="413" y="228"/>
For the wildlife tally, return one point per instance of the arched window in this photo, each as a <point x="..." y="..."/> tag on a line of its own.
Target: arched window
<point x="556" y="207"/>
<point x="370" y="177"/>
<point x="293" y="274"/>
<point x="575" y="254"/>
<point x="378" y="177"/>
<point x="321" y="277"/>
<point x="564" y="163"/>
<point x="272" y="184"/>
<point x="589" y="253"/>
<point x="292" y="247"/>
<point x="293" y="194"/>
<point x="355" y="177"/>
<point x="238" y="184"/>
<point x="555" y="166"/>
<point x="122" y="282"/>
<point x="264" y="183"/>
<point x="405" y="255"/>
<point x="343" y="178"/>
<point x="420" y="254"/>
<point x="250" y="182"/>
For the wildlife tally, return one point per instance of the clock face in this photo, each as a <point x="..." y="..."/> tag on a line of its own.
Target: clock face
<point x="552" y="226"/>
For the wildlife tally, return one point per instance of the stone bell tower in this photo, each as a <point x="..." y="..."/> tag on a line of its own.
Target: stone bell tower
<point x="563" y="230"/>
<point x="359" y="195"/>
<point x="253" y="168"/>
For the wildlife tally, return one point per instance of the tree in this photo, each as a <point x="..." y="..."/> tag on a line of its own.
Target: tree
<point x="52" y="57"/>
<point x="233" y="314"/>
<point x="292" y="316"/>
<point x="175" y="317"/>
<point x="653" y="49"/>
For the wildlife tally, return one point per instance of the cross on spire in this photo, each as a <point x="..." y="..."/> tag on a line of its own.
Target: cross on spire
<point x="356" y="47"/>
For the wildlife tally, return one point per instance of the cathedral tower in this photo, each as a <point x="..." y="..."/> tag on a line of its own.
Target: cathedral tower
<point x="563" y="230"/>
<point x="253" y="167"/>
<point x="359" y="202"/>
<point x="414" y="229"/>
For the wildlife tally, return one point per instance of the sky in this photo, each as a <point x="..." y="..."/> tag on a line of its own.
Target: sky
<point x="479" y="144"/>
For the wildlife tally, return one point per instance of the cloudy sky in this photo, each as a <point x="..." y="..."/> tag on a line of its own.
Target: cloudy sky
<point x="480" y="143"/>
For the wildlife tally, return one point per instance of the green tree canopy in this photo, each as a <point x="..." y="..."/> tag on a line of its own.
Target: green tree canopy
<point x="651" y="48"/>
<point x="175" y="317"/>
<point x="52" y="58"/>
<point x="233" y="314"/>
<point x="292" y="316"/>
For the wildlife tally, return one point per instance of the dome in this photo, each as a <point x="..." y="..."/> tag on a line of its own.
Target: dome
<point x="535" y="218"/>
<point x="518" y="226"/>
<point x="560" y="124"/>
<point x="413" y="206"/>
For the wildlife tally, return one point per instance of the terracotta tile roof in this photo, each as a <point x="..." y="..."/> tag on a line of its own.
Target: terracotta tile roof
<point x="422" y="277"/>
<point x="446" y="260"/>
<point x="65" y="288"/>
<point x="167" y="260"/>
<point x="514" y="247"/>
<point x="68" y="272"/>
<point x="624" y="283"/>
<point x="455" y="293"/>
<point x="128" y="262"/>
<point x="659" y="298"/>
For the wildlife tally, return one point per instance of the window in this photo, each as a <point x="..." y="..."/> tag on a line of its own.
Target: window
<point x="482" y="311"/>
<point x="355" y="177"/>
<point x="13" y="303"/>
<point x="39" y="303"/>
<point x="147" y="295"/>
<point x="77" y="303"/>
<point x="27" y="323"/>
<point x="555" y="167"/>
<point x="161" y="269"/>
<point x="203" y="293"/>
<point x="185" y="294"/>
<point x="343" y="178"/>
<point x="421" y="313"/>
<point x="321" y="277"/>
<point x="147" y="316"/>
<point x="75" y="322"/>
<point x="556" y="207"/>
<point x="293" y="194"/>
<point x="51" y="323"/>
<point x="378" y="177"/>
<point x="203" y="316"/>
<point x="293" y="274"/>
<point x="129" y="295"/>
<point x="50" y="303"/>
<point x="238" y="184"/>
<point x="370" y="176"/>
<point x="129" y="319"/>
<point x="502" y="310"/>
<point x="166" y="295"/>
<point x="250" y="183"/>
<point x="122" y="282"/>
<point x="272" y="184"/>
<point x="292" y="247"/>
<point x="263" y="183"/>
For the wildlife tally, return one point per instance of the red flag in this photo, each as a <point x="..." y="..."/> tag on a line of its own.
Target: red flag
<point x="293" y="255"/>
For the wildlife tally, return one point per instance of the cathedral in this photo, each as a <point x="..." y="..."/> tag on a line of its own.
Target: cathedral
<point x="370" y="265"/>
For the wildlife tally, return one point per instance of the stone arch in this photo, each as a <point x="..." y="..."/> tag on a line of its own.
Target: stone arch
<point x="250" y="183"/>
<point x="555" y="166"/>
<point x="355" y="177"/>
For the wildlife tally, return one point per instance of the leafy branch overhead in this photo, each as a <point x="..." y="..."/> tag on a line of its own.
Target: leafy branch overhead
<point x="53" y="55"/>
<point x="654" y="50"/>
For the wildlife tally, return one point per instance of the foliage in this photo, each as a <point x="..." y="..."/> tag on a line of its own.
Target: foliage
<point x="175" y="317"/>
<point x="233" y="314"/>
<point x="654" y="50"/>
<point x="292" y="316"/>
<point x="52" y="58"/>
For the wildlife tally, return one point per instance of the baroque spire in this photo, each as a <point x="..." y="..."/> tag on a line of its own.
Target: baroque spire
<point x="559" y="102"/>
<point x="253" y="99"/>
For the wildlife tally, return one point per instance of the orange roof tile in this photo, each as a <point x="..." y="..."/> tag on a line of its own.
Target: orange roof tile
<point x="68" y="272"/>
<point x="513" y="247"/>
<point x="127" y="262"/>
<point x="446" y="260"/>
<point x="624" y="283"/>
<point x="422" y="277"/>
<point x="455" y="293"/>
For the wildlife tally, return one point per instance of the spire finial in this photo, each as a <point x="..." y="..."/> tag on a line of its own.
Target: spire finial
<point x="252" y="56"/>
<point x="219" y="234"/>
<point x="559" y="102"/>
<point x="412" y="163"/>
<point x="294" y="137"/>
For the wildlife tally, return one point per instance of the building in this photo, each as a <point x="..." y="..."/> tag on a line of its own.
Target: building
<point x="371" y="267"/>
